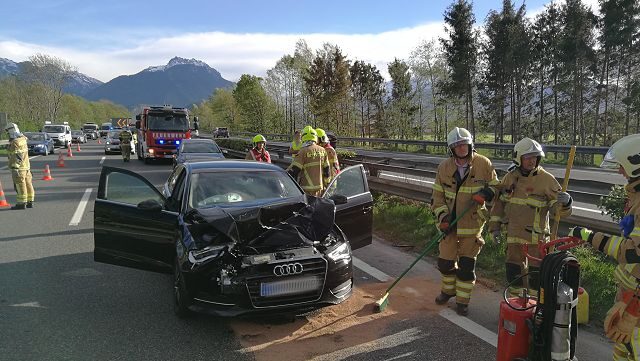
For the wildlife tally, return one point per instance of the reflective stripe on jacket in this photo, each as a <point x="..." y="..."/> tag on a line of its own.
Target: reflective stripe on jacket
<point x="333" y="161"/>
<point x="258" y="156"/>
<point x="18" y="153"/>
<point x="313" y="163"/>
<point x="451" y="196"/>
<point x="524" y="204"/>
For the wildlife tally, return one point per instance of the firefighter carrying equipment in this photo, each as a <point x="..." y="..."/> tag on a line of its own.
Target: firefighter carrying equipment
<point x="459" y="249"/>
<point x="626" y="153"/>
<point x="310" y="168"/>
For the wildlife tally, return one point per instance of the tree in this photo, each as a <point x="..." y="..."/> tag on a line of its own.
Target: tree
<point x="252" y="102"/>
<point x="401" y="94"/>
<point x="461" y="53"/>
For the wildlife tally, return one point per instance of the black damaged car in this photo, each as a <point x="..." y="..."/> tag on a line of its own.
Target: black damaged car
<point x="239" y="237"/>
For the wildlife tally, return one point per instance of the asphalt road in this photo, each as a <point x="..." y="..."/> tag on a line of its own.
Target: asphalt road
<point x="56" y="303"/>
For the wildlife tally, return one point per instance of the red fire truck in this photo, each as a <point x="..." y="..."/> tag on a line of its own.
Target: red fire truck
<point x="160" y="131"/>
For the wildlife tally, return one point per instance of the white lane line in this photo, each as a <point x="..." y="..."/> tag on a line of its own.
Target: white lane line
<point x="77" y="216"/>
<point x="374" y="272"/>
<point x="35" y="156"/>
<point x="102" y="160"/>
<point x="387" y="342"/>
<point x="586" y="209"/>
<point x="471" y="327"/>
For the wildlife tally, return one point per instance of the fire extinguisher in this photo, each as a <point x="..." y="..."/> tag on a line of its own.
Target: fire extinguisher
<point x="514" y="330"/>
<point x="561" y="340"/>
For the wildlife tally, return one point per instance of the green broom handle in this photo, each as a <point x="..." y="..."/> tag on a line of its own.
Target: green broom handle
<point x="429" y="247"/>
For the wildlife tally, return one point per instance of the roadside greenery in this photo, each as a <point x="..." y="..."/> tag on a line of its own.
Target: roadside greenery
<point x="412" y="224"/>
<point x="613" y="203"/>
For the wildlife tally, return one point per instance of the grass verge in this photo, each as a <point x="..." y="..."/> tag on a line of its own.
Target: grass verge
<point x="411" y="223"/>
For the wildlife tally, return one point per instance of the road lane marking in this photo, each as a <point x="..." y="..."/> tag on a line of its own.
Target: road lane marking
<point x="102" y="160"/>
<point x="35" y="156"/>
<point x="34" y="304"/>
<point x="77" y="216"/>
<point x="471" y="327"/>
<point x="372" y="271"/>
<point x="586" y="209"/>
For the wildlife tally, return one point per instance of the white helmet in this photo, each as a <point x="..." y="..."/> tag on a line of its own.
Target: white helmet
<point x="626" y="153"/>
<point x="459" y="136"/>
<point x="13" y="130"/>
<point x="524" y="147"/>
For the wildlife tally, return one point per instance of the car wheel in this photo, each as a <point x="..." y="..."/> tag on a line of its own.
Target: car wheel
<point x="181" y="297"/>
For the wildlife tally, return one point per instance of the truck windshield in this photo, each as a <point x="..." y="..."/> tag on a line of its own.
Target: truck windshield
<point x="174" y="122"/>
<point x="53" y="129"/>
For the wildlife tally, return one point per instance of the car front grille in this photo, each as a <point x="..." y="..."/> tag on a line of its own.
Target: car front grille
<point x="313" y="275"/>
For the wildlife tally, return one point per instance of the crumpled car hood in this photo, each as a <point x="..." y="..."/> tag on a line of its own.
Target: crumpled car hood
<point x="301" y="222"/>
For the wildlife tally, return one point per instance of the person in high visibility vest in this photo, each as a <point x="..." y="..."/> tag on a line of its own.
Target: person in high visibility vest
<point x="18" y="154"/>
<point x="259" y="151"/>
<point x="623" y="319"/>
<point x="528" y="195"/>
<point x="465" y="179"/>
<point x="296" y="143"/>
<point x="310" y="167"/>
<point x="334" y="164"/>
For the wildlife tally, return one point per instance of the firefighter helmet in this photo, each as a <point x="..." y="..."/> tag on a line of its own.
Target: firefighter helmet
<point x="459" y="136"/>
<point x="625" y="153"/>
<point x="259" y="138"/>
<point x="524" y="147"/>
<point x="309" y="135"/>
<point x="307" y="129"/>
<point x="322" y="136"/>
<point x="13" y="130"/>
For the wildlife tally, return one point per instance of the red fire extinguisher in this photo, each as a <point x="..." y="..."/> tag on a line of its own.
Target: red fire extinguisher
<point x="513" y="333"/>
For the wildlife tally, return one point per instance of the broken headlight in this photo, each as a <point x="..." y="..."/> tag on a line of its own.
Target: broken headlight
<point x="202" y="255"/>
<point x="342" y="252"/>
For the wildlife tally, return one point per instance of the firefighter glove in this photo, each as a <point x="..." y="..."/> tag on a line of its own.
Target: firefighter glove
<point x="580" y="232"/>
<point x="619" y="324"/>
<point x="444" y="223"/>
<point x="484" y="195"/>
<point x="564" y="198"/>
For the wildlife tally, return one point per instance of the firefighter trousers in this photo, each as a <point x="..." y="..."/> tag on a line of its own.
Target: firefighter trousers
<point x="457" y="265"/>
<point x="126" y="151"/>
<point x="23" y="186"/>
<point x="518" y="265"/>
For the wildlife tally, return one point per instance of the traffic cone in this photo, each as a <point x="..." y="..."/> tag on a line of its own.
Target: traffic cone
<point x="3" y="200"/>
<point x="69" y="152"/>
<point x="99" y="141"/>
<point x="78" y="148"/>
<point x="60" y="159"/>
<point x="47" y="174"/>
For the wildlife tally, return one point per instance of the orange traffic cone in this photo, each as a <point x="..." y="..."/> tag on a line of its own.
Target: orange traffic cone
<point x="69" y="152"/>
<point x="3" y="200"/>
<point x="78" y="148"/>
<point x="60" y="159"/>
<point x="99" y="141"/>
<point x="47" y="174"/>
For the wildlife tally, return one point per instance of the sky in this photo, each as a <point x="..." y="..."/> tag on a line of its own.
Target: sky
<point x="105" y="39"/>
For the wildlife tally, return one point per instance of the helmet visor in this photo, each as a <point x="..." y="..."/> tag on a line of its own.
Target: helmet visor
<point x="609" y="161"/>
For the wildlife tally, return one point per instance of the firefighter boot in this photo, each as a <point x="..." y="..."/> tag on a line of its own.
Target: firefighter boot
<point x="30" y="204"/>
<point x="443" y="298"/>
<point x="462" y="309"/>
<point x="20" y="206"/>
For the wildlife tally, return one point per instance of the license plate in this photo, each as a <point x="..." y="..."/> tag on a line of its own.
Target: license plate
<point x="290" y="286"/>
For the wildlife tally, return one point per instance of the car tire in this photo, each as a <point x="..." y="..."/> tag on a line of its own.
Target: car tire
<point x="181" y="297"/>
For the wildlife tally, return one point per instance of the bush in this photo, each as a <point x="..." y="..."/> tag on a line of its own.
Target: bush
<point x="613" y="203"/>
<point x="345" y="154"/>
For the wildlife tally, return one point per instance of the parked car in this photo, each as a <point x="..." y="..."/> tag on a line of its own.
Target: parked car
<point x="239" y="237"/>
<point x="112" y="143"/>
<point x="91" y="130"/>
<point x="221" y="132"/>
<point x="39" y="143"/>
<point x="77" y="136"/>
<point x="60" y="133"/>
<point x="197" y="150"/>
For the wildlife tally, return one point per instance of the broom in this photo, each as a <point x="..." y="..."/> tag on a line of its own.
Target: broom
<point x="382" y="303"/>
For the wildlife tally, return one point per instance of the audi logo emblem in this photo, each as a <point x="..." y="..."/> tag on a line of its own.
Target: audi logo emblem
<point x="288" y="269"/>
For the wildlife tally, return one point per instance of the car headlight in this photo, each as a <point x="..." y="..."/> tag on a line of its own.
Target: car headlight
<point x="341" y="252"/>
<point x="202" y="255"/>
<point x="39" y="146"/>
<point x="108" y="142"/>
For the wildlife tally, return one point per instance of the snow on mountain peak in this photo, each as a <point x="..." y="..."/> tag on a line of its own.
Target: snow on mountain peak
<point x="177" y="61"/>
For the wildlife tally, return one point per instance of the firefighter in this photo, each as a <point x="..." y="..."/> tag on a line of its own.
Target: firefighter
<point x="310" y="166"/>
<point x="296" y="143"/>
<point x="18" y="154"/>
<point x="621" y="323"/>
<point x="334" y="165"/>
<point x="259" y="153"/>
<point x="528" y="195"/>
<point x="125" y="137"/>
<point x="465" y="179"/>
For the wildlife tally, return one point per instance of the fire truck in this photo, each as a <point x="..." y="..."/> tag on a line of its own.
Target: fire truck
<point x="160" y="131"/>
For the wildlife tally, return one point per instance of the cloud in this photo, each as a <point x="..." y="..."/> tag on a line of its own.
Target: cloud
<point x="233" y="54"/>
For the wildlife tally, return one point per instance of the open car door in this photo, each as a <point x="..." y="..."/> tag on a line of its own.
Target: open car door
<point x="131" y="228"/>
<point x="355" y="217"/>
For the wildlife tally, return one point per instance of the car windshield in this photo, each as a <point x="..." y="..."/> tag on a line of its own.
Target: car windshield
<point x="107" y="127"/>
<point x="237" y="187"/>
<point x="35" y="136"/>
<point x="54" y="128"/>
<point x="114" y="134"/>
<point x="90" y="127"/>
<point x="175" y="122"/>
<point x="200" y="147"/>
<point x="76" y="132"/>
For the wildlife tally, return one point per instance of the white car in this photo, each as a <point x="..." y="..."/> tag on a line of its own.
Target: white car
<point x="60" y="133"/>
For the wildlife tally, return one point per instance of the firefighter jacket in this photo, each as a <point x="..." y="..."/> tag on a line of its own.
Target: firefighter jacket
<point x="625" y="248"/>
<point x="18" y="154"/>
<point x="258" y="156"/>
<point x="313" y="165"/>
<point x="125" y="138"/>
<point x="453" y="194"/>
<point x="333" y="161"/>
<point x="524" y="203"/>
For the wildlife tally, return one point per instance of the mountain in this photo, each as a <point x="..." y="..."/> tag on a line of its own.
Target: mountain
<point x="79" y="84"/>
<point x="181" y="82"/>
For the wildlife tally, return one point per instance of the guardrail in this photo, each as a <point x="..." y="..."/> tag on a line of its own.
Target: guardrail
<point x="423" y="193"/>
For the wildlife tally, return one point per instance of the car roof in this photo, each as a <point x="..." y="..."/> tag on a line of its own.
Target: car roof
<point x="233" y="165"/>
<point x="197" y="140"/>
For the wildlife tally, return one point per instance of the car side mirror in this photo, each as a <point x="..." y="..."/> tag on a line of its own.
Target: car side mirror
<point x="339" y="199"/>
<point x="224" y="151"/>
<point x="150" y="205"/>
